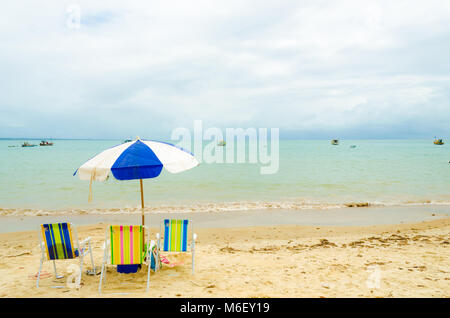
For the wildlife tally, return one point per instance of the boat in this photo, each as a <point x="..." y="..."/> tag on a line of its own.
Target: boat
<point x="438" y="141"/>
<point x="128" y="140"/>
<point x="27" y="144"/>
<point x="221" y="143"/>
<point x="335" y="142"/>
<point x="45" y="143"/>
<point x="353" y="146"/>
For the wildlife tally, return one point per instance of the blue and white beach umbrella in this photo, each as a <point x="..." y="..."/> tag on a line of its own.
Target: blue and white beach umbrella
<point x="138" y="159"/>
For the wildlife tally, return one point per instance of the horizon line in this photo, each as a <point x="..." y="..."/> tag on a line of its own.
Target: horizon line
<point x="285" y="138"/>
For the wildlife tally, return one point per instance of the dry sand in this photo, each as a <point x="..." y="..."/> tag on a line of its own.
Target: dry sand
<point x="411" y="260"/>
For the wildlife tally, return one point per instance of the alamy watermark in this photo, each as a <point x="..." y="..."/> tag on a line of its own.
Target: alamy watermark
<point x="74" y="279"/>
<point x="236" y="145"/>
<point x="374" y="279"/>
<point x="73" y="16"/>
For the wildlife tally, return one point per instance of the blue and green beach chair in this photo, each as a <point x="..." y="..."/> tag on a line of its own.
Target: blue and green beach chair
<point x="175" y="238"/>
<point x="59" y="241"/>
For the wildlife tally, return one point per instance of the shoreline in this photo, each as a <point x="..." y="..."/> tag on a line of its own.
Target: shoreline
<point x="201" y="207"/>
<point x="355" y="216"/>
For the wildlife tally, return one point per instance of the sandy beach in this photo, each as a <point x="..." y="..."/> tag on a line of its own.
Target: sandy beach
<point x="304" y="144"/>
<point x="403" y="260"/>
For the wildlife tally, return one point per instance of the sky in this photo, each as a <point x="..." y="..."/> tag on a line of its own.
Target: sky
<point x="314" y="69"/>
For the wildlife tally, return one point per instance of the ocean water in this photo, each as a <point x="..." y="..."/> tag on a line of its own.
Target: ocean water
<point x="312" y="174"/>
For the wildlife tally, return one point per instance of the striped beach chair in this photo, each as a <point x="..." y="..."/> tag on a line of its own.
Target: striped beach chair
<point x="59" y="241"/>
<point x="175" y="238"/>
<point x="124" y="245"/>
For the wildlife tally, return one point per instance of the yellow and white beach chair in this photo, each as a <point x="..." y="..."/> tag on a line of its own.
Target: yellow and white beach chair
<point x="59" y="241"/>
<point x="124" y="245"/>
<point x="175" y="238"/>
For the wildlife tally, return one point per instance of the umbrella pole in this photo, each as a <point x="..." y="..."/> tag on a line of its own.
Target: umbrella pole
<point x="142" y="206"/>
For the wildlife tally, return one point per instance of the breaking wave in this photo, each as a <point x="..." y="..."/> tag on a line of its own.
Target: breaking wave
<point x="215" y="207"/>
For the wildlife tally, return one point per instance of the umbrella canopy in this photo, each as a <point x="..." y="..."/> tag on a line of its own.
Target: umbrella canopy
<point x="138" y="159"/>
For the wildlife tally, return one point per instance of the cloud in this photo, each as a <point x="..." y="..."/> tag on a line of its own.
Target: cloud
<point x="315" y="69"/>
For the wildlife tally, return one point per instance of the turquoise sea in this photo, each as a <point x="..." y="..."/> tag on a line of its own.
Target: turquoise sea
<point x="312" y="173"/>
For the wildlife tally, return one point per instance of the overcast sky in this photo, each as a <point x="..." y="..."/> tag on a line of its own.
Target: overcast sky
<point x="314" y="69"/>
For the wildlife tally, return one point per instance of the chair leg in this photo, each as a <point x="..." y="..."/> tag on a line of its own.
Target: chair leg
<point x="148" y="275"/>
<point x="101" y="278"/>
<point x="193" y="258"/>
<point x="157" y="261"/>
<point x="149" y="254"/>
<point x="92" y="258"/>
<point x="103" y="272"/>
<point x="158" y="245"/>
<point x="39" y="273"/>
<point x="81" y="270"/>
<point x="56" y="273"/>
<point x="106" y="263"/>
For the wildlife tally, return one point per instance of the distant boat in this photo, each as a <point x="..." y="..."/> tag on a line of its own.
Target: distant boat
<point x="27" y="144"/>
<point x="335" y="142"/>
<point x="45" y="143"/>
<point x="353" y="146"/>
<point x="438" y="141"/>
<point x="221" y="143"/>
<point x="128" y="140"/>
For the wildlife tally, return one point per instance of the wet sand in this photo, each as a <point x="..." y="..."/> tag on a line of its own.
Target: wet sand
<point x="357" y="216"/>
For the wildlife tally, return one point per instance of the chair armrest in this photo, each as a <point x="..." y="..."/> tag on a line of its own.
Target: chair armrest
<point x="85" y="241"/>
